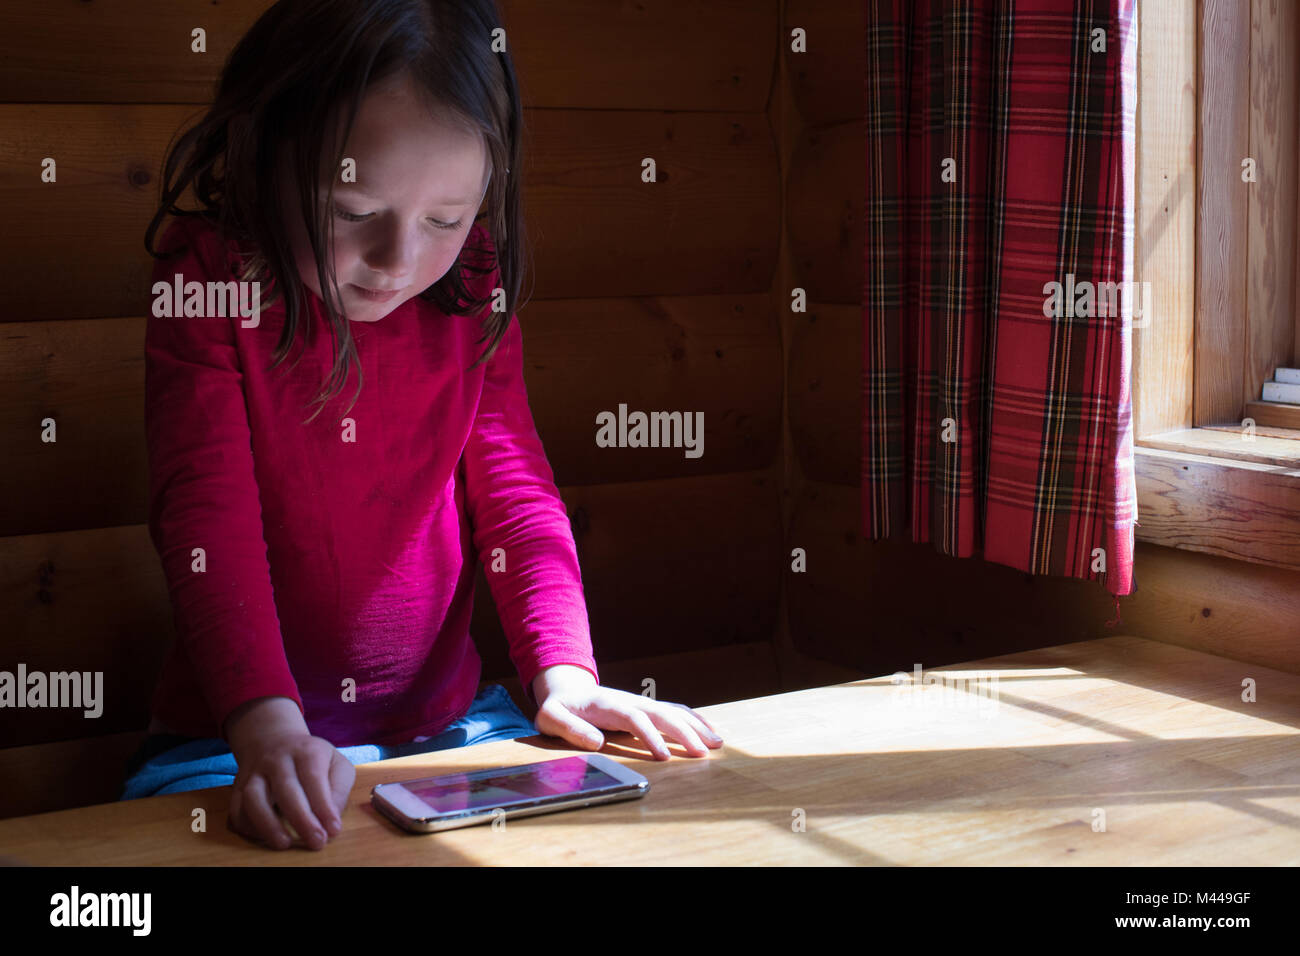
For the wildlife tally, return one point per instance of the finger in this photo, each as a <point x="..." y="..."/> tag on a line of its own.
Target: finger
<point x="558" y="721"/>
<point x="313" y="776"/>
<point x="697" y="719"/>
<point x="235" y="813"/>
<point x="238" y="818"/>
<point x="635" y="721"/>
<point x="706" y="730"/>
<point x="261" y="819"/>
<point x="676" y="727"/>
<point x="292" y="801"/>
<point x="342" y="776"/>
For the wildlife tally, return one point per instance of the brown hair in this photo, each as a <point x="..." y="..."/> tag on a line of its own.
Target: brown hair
<point x="280" y="89"/>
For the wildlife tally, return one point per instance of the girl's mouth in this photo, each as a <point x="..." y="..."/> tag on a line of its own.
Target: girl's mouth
<point x="374" y="296"/>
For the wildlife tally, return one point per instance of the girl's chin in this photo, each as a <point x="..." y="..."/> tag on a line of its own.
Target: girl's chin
<point x="369" y="315"/>
<point x="362" y="310"/>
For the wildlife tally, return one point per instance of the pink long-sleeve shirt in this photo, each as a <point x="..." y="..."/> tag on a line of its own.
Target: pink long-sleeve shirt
<point x="344" y="556"/>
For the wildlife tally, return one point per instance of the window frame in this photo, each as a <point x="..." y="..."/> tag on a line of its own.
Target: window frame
<point x="1201" y="484"/>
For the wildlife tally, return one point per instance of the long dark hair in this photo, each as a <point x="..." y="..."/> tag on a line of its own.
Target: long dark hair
<point x="300" y="62"/>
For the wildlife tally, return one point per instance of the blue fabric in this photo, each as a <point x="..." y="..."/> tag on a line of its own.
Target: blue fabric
<point x="171" y="764"/>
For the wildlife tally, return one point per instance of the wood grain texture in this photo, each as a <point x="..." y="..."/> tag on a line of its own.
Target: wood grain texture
<point x="1233" y="443"/>
<point x="825" y="83"/>
<point x="719" y="356"/>
<point x="708" y="226"/>
<point x="825" y="198"/>
<point x="82" y="235"/>
<point x="671" y="566"/>
<point x="91" y="600"/>
<point x="1155" y="736"/>
<point x="42" y="778"/>
<point x="1221" y="220"/>
<point x="825" y="392"/>
<point x="1274" y="122"/>
<point x="1246" y="611"/>
<point x="1238" y="509"/>
<point x="1166" y="216"/>
<point x="87" y="377"/>
<point x="884" y="605"/>
<point x="579" y="54"/>
<point x="1268" y="431"/>
<point x="130" y="51"/>
<point x="881" y="605"/>
<point x="668" y="566"/>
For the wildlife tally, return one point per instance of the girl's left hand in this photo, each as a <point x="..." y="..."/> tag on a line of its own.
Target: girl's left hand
<point x="571" y="705"/>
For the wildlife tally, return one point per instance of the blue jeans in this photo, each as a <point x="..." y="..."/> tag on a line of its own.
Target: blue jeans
<point x="167" y="763"/>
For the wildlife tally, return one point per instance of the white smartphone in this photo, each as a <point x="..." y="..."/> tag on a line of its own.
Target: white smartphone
<point x="481" y="796"/>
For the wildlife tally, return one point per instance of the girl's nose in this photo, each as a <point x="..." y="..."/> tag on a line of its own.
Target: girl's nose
<point x="392" y="251"/>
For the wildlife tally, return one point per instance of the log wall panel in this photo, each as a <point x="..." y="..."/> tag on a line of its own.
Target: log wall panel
<point x="826" y="83"/>
<point x="825" y="198"/>
<point x="884" y="605"/>
<point x="1274" y="121"/>
<point x="716" y="355"/>
<point x="1164" y="239"/>
<point x="672" y="54"/>
<point x="667" y="566"/>
<point x="1221" y="197"/>
<point x="708" y="226"/>
<point x="825" y="392"/>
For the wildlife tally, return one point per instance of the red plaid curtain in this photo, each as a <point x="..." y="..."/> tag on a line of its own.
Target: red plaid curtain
<point x="999" y="160"/>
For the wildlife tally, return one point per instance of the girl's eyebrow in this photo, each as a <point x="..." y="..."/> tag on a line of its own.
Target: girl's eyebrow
<point x="356" y="188"/>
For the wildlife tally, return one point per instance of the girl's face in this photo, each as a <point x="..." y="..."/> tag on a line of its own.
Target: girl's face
<point x="399" y="227"/>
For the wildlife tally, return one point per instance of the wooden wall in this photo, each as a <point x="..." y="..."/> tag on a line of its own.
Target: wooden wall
<point x="665" y="296"/>
<point x="1247" y="321"/>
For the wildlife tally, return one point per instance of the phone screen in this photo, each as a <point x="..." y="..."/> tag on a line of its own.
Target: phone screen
<point x="487" y="790"/>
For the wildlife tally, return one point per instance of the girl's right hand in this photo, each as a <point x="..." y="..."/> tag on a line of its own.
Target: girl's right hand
<point x="289" y="783"/>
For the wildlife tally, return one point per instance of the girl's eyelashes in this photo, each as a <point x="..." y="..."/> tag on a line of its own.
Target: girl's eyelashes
<point x="350" y="217"/>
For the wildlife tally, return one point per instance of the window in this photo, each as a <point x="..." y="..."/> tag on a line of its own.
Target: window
<point x="1218" y="200"/>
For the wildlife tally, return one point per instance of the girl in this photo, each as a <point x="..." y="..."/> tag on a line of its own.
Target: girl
<point x="321" y="569"/>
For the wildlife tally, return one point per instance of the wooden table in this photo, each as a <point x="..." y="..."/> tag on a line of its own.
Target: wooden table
<point x="1151" y="739"/>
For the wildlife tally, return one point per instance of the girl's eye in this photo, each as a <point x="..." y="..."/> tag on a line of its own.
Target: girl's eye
<point x="349" y="217"/>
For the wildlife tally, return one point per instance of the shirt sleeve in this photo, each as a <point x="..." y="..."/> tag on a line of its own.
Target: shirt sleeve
<point x="515" y="507"/>
<point x="203" y="494"/>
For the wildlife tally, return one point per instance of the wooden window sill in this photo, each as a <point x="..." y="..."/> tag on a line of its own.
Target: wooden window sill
<point x="1208" y="490"/>
<point x="1275" y="414"/>
<point x="1269" y="446"/>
